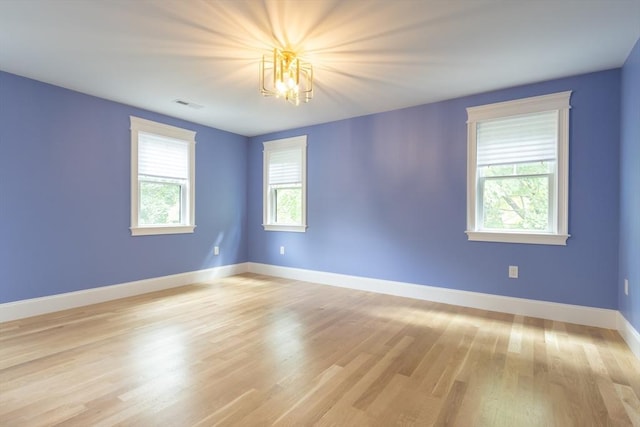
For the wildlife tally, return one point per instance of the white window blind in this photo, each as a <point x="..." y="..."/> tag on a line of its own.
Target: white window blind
<point x="162" y="157"/>
<point x="285" y="166"/>
<point x="518" y="139"/>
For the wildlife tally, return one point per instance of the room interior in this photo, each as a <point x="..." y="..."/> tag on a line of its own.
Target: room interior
<point x="382" y="312"/>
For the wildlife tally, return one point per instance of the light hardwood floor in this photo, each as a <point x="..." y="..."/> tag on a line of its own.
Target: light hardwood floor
<point x="252" y="350"/>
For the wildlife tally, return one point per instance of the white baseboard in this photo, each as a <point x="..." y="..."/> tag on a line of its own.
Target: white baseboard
<point x="630" y="334"/>
<point x="36" y="306"/>
<point x="590" y="316"/>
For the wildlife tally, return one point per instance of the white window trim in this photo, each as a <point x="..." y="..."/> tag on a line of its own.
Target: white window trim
<point x="148" y="126"/>
<point x="276" y="145"/>
<point x="556" y="101"/>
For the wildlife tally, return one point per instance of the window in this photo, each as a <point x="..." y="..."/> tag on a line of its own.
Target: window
<point x="517" y="177"/>
<point x="162" y="178"/>
<point x="285" y="184"/>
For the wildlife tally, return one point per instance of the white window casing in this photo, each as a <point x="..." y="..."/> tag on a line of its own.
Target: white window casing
<point x="284" y="169"/>
<point x="526" y="130"/>
<point x="162" y="154"/>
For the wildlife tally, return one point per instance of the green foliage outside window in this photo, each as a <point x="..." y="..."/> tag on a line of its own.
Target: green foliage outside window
<point x="288" y="205"/>
<point x="159" y="203"/>
<point x="516" y="197"/>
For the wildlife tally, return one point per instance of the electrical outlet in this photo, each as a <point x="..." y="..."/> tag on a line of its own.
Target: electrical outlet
<point x="513" y="272"/>
<point x="626" y="286"/>
<point x="216" y="250"/>
<point x="281" y="250"/>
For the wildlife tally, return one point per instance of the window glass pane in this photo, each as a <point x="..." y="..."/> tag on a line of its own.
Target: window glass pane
<point x="532" y="168"/>
<point x="516" y="203"/>
<point x="288" y="205"/>
<point x="535" y="168"/>
<point x="498" y="170"/>
<point x="159" y="203"/>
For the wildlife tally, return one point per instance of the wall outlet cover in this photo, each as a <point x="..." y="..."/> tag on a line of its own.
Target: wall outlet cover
<point x="513" y="271"/>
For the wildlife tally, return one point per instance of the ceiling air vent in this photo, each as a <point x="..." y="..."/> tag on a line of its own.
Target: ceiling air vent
<point x="188" y="104"/>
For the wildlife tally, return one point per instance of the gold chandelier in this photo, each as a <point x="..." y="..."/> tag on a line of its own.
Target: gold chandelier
<point x="286" y="76"/>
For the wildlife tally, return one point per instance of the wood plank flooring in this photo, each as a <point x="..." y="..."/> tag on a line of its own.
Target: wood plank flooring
<point x="252" y="350"/>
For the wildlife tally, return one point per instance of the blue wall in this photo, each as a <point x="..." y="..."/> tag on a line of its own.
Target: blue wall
<point x="65" y="196"/>
<point x="630" y="189"/>
<point x="387" y="199"/>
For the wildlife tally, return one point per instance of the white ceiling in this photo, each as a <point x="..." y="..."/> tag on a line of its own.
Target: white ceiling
<point x="368" y="56"/>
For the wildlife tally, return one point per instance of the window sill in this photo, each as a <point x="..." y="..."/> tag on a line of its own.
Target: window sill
<point x="148" y="231"/>
<point x="527" y="238"/>
<point x="293" y="228"/>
